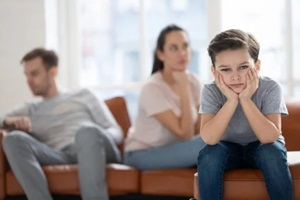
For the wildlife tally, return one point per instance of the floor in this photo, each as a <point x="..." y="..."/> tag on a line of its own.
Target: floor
<point x="127" y="197"/>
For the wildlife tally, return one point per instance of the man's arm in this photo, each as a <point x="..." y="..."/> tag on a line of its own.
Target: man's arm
<point x="17" y="119"/>
<point x="102" y="115"/>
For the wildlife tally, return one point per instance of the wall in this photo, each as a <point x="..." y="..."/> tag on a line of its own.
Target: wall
<point x="22" y="29"/>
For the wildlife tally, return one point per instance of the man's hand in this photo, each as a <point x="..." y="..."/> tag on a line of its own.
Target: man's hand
<point x="252" y="85"/>
<point x="20" y="123"/>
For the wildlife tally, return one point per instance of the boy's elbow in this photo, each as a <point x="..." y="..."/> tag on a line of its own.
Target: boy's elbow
<point x="210" y="141"/>
<point x="269" y="140"/>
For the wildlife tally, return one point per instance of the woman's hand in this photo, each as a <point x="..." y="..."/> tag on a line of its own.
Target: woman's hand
<point x="181" y="77"/>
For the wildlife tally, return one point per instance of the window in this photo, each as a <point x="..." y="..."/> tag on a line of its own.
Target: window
<point x="118" y="38"/>
<point x="113" y="40"/>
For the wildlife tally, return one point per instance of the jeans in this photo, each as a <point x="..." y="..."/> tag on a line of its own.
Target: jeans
<point x="93" y="148"/>
<point x="178" y="155"/>
<point x="271" y="159"/>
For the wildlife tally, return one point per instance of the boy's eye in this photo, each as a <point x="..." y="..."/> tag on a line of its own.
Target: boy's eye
<point x="225" y="69"/>
<point x="244" y="67"/>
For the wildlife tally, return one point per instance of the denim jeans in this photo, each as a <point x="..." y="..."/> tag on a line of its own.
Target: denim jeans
<point x="271" y="159"/>
<point x="178" y="155"/>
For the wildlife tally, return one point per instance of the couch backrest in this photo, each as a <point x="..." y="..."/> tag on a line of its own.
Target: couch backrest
<point x="118" y="108"/>
<point x="291" y="125"/>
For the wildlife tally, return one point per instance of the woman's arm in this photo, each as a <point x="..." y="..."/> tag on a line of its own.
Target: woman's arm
<point x="183" y="126"/>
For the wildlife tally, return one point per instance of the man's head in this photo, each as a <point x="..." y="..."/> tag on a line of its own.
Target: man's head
<point x="233" y="53"/>
<point x="40" y="68"/>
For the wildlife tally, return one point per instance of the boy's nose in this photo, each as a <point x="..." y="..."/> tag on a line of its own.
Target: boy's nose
<point x="235" y="76"/>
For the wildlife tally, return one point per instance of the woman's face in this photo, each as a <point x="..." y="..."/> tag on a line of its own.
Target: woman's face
<point x="233" y="66"/>
<point x="176" y="51"/>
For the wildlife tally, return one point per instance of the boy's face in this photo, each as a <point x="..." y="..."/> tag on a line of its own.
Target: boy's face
<point x="233" y="66"/>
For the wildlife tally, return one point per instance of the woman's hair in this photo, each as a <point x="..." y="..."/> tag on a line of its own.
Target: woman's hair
<point x="49" y="57"/>
<point x="233" y="39"/>
<point x="158" y="65"/>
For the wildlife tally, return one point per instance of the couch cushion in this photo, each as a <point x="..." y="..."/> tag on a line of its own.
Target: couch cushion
<point x="172" y="182"/>
<point x="62" y="179"/>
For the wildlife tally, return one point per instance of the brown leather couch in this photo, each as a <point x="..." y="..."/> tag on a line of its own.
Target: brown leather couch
<point x="248" y="184"/>
<point x="123" y="180"/>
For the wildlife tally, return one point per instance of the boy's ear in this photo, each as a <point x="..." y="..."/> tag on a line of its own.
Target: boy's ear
<point x="257" y="65"/>
<point x="212" y="69"/>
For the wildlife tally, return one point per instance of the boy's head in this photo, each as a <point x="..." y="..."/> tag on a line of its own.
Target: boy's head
<point x="233" y="53"/>
<point x="233" y="39"/>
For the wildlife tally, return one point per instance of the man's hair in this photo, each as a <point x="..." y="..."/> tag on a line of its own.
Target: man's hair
<point x="49" y="57"/>
<point x="233" y="39"/>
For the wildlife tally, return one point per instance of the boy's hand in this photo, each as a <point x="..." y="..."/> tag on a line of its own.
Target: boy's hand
<point x="230" y="95"/>
<point x="20" y="123"/>
<point x="252" y="85"/>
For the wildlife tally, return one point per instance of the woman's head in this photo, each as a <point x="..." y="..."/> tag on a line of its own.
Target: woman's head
<point x="172" y="49"/>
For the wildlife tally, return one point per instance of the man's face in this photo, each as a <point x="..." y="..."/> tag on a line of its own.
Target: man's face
<point x="38" y="78"/>
<point x="233" y="66"/>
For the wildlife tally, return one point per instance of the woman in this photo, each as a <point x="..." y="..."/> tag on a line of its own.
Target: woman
<point x="163" y="135"/>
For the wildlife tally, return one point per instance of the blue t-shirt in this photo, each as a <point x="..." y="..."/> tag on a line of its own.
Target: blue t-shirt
<point x="268" y="98"/>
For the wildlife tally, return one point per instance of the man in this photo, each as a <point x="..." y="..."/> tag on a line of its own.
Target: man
<point x="62" y="128"/>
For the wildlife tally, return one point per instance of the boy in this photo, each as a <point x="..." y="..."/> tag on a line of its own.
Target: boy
<point x="241" y="119"/>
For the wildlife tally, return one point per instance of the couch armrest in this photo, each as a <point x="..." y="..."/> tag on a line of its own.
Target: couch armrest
<point x="3" y="166"/>
<point x="291" y="125"/>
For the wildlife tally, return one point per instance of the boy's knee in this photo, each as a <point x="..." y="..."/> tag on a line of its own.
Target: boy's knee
<point x="212" y="154"/>
<point x="271" y="152"/>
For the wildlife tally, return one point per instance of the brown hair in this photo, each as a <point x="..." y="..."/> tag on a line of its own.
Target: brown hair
<point x="49" y="57"/>
<point x="233" y="39"/>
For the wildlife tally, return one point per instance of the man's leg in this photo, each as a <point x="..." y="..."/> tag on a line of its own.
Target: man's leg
<point x="178" y="155"/>
<point x="94" y="148"/>
<point x="213" y="160"/>
<point x="25" y="156"/>
<point x="271" y="159"/>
